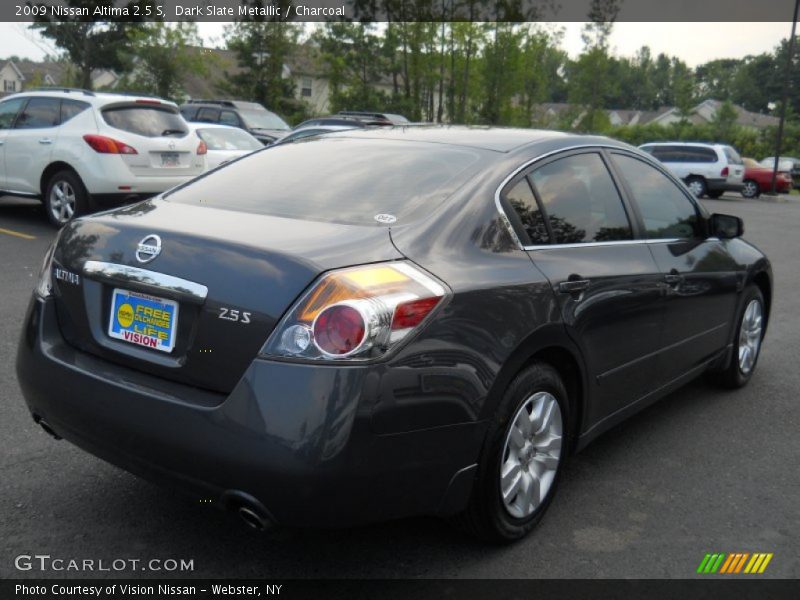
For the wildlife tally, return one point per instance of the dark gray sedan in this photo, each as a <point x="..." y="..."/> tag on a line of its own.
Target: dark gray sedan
<point x="380" y="323"/>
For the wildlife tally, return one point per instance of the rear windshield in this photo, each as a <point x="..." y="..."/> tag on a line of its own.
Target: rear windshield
<point x="228" y="139"/>
<point x="149" y="121"/>
<point x="337" y="180"/>
<point x="732" y="155"/>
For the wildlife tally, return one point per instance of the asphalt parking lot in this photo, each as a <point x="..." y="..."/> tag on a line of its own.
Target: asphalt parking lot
<point x="701" y="471"/>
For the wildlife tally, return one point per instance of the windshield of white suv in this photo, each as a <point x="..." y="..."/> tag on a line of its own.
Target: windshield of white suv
<point x="263" y="119"/>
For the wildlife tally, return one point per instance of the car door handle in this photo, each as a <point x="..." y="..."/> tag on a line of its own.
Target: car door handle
<point x="574" y="286"/>
<point x="45" y="141"/>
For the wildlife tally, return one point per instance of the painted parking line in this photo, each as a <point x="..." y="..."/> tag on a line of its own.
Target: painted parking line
<point x="18" y="234"/>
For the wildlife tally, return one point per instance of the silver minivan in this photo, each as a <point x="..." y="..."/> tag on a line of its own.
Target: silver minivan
<point x="706" y="169"/>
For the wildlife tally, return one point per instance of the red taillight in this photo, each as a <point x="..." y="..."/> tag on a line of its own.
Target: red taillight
<point x="411" y="314"/>
<point x="339" y="330"/>
<point x="202" y="149"/>
<point x="107" y="145"/>
<point x="724" y="172"/>
<point x="148" y="102"/>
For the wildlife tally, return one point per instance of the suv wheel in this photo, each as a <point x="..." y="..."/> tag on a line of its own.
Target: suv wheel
<point x="65" y="198"/>
<point x="523" y="458"/>
<point x="750" y="189"/>
<point x="697" y="186"/>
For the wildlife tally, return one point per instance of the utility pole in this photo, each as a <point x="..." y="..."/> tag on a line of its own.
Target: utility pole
<point x="786" y="81"/>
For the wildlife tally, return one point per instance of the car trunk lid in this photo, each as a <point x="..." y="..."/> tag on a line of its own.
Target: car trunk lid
<point x="224" y="277"/>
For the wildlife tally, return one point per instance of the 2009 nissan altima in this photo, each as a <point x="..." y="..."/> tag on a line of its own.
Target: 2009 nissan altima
<point x="375" y="324"/>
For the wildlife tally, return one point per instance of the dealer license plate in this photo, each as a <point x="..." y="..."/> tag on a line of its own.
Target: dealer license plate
<point x="143" y="320"/>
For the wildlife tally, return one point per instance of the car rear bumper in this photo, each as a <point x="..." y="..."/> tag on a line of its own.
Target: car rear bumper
<point x="110" y="175"/>
<point x="296" y="438"/>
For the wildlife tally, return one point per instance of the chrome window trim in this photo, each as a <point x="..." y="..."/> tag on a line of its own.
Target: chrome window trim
<point x="504" y="217"/>
<point x="158" y="282"/>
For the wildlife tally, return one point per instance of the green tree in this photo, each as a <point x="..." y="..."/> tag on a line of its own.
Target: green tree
<point x="263" y="46"/>
<point x="723" y="125"/>
<point x="165" y="55"/>
<point x="589" y="77"/>
<point x="91" y="45"/>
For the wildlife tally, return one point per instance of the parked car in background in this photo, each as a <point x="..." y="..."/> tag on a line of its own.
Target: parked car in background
<point x="259" y="122"/>
<point x="758" y="179"/>
<point x="336" y="120"/>
<point x="77" y="150"/>
<point x="404" y="321"/>
<point x="706" y="169"/>
<point x="785" y="163"/>
<point x="224" y="143"/>
<point x="313" y="130"/>
<point x="376" y="118"/>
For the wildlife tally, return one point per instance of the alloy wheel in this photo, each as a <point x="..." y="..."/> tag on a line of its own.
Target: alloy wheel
<point x="696" y="187"/>
<point x="531" y="454"/>
<point x="750" y="336"/>
<point x="749" y="190"/>
<point x="62" y="201"/>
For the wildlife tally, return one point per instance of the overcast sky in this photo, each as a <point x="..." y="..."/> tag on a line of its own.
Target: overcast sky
<point x="695" y="43"/>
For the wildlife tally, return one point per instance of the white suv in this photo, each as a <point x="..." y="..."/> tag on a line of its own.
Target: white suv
<point x="77" y="150"/>
<point x="711" y="169"/>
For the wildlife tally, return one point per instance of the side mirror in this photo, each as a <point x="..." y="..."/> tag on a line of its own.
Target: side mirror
<point x="726" y="227"/>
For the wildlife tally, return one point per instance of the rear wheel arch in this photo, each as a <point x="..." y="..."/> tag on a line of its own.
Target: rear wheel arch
<point x="552" y="346"/>
<point x="52" y="169"/>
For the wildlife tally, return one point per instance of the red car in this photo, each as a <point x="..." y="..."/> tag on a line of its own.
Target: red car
<point x="758" y="178"/>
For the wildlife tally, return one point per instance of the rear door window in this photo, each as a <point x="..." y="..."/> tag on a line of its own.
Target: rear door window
<point x="228" y="117"/>
<point x="581" y="201"/>
<point x="666" y="211"/>
<point x="148" y="121"/>
<point x="208" y="115"/>
<point x="39" y="113"/>
<point x="9" y="110"/>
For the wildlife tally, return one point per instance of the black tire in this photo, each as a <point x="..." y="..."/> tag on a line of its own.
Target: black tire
<point x="750" y="189"/>
<point x="697" y="186"/>
<point x="715" y="195"/>
<point x="732" y="375"/>
<point x="72" y="201"/>
<point x="486" y="516"/>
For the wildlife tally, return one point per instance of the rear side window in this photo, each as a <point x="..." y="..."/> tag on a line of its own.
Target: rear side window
<point x="580" y="200"/>
<point x="149" y="121"/>
<point x="700" y="154"/>
<point x="189" y="112"/>
<point x="521" y="199"/>
<point x="39" y="113"/>
<point x="665" y="209"/>
<point x="338" y="180"/>
<point x="72" y="108"/>
<point x="9" y="110"/>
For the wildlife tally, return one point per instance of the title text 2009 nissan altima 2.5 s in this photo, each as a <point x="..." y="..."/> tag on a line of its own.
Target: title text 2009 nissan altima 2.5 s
<point x="374" y="324"/>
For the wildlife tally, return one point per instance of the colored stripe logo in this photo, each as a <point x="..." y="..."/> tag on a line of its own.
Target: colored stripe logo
<point x="735" y="563"/>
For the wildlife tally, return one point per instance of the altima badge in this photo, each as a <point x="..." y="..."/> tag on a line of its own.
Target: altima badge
<point x="148" y="248"/>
